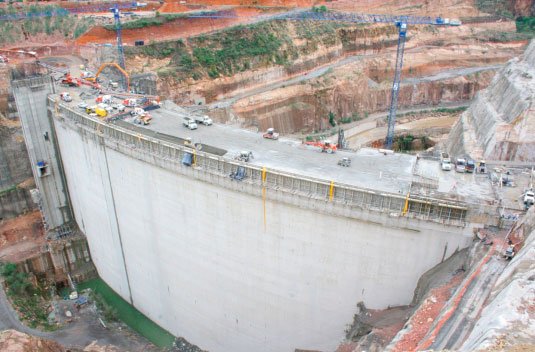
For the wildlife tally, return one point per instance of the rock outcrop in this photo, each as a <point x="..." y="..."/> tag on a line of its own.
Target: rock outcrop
<point x="500" y="123"/>
<point x="508" y="321"/>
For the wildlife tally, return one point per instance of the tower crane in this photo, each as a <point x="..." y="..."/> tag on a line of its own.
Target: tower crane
<point x="120" y="49"/>
<point x="401" y="21"/>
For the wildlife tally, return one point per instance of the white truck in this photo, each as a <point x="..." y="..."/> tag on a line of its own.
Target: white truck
<point x="203" y="120"/>
<point x="189" y="123"/>
<point x="65" y="96"/>
<point x="445" y="162"/>
<point x="529" y="198"/>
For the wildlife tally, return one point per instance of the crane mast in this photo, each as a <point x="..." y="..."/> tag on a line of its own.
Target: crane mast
<point x="120" y="49"/>
<point x="402" y="26"/>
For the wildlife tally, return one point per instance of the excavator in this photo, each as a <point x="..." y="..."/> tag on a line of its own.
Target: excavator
<point x="325" y="146"/>
<point x="110" y="64"/>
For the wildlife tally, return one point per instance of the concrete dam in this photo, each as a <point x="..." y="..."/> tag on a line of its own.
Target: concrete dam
<point x="274" y="262"/>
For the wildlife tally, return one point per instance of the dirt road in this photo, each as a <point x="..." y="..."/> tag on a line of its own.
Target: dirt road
<point x="81" y="332"/>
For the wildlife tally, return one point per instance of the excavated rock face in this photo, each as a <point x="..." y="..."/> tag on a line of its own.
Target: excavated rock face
<point x="522" y="7"/>
<point x="500" y="124"/>
<point x="15" y="341"/>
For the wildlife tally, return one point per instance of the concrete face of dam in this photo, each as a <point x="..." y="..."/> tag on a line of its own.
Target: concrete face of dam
<point x="273" y="263"/>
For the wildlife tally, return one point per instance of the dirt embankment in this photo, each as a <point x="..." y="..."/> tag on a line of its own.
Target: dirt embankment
<point x="179" y="28"/>
<point x="21" y="238"/>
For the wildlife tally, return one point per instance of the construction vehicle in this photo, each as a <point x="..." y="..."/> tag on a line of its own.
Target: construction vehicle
<point x="106" y="99"/>
<point x="189" y="123"/>
<point x="87" y="76"/>
<point x="69" y="81"/>
<point x="345" y="162"/>
<point x="244" y="156"/>
<point x="510" y="251"/>
<point x="96" y="110"/>
<point x="130" y="102"/>
<point x="204" y="120"/>
<point x="119" y="68"/>
<point x="141" y="116"/>
<point x="482" y="166"/>
<point x="529" y="198"/>
<point x="3" y="59"/>
<point x="325" y="146"/>
<point x="65" y="96"/>
<point x="271" y="134"/>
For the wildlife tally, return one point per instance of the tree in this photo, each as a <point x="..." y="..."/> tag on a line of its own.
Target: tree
<point x="332" y="118"/>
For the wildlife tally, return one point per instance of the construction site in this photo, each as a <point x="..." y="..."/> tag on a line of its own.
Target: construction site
<point x="267" y="175"/>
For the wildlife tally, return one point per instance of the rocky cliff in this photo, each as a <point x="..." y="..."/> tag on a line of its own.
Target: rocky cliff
<point x="500" y="124"/>
<point x="508" y="321"/>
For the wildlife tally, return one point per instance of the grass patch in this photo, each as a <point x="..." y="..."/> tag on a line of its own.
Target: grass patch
<point x="31" y="302"/>
<point x="8" y="190"/>
<point x="117" y="307"/>
<point x="47" y="20"/>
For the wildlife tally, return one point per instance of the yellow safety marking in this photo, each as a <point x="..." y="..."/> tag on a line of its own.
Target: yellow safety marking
<point x="331" y="191"/>
<point x="194" y="158"/>
<point x="406" y="207"/>
<point x="264" y="195"/>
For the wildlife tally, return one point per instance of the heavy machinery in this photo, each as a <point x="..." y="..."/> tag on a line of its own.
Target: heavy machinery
<point x="244" y="156"/>
<point x="96" y="110"/>
<point x="345" y="162"/>
<point x="119" y="68"/>
<point x="69" y="81"/>
<point x="325" y="146"/>
<point x="120" y="49"/>
<point x="3" y="59"/>
<point x="106" y="99"/>
<point x="271" y="134"/>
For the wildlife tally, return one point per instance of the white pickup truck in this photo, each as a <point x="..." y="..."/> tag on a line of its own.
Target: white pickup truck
<point x="529" y="198"/>
<point x="445" y="162"/>
<point x="189" y="123"/>
<point x="204" y="120"/>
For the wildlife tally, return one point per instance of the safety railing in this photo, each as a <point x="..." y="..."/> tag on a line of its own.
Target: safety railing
<point x="171" y="155"/>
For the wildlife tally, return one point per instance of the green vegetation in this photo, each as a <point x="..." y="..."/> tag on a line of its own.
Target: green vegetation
<point x="319" y="9"/>
<point x="8" y="190"/>
<point x="240" y="48"/>
<point x="61" y="23"/>
<point x="525" y="25"/>
<point x="409" y="142"/>
<point x="113" y="306"/>
<point x="332" y="118"/>
<point x="503" y="37"/>
<point x="30" y="301"/>
<point x="496" y="7"/>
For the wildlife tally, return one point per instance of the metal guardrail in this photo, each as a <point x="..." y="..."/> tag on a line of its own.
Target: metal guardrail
<point x="171" y="155"/>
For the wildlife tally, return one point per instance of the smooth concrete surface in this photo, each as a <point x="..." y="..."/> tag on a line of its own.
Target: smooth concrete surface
<point x="197" y="259"/>
<point x="31" y="98"/>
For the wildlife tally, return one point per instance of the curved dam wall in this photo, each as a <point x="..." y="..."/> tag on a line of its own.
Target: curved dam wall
<point x="272" y="263"/>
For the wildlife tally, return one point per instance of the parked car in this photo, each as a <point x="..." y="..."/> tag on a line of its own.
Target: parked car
<point x="470" y="166"/>
<point x="460" y="165"/>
